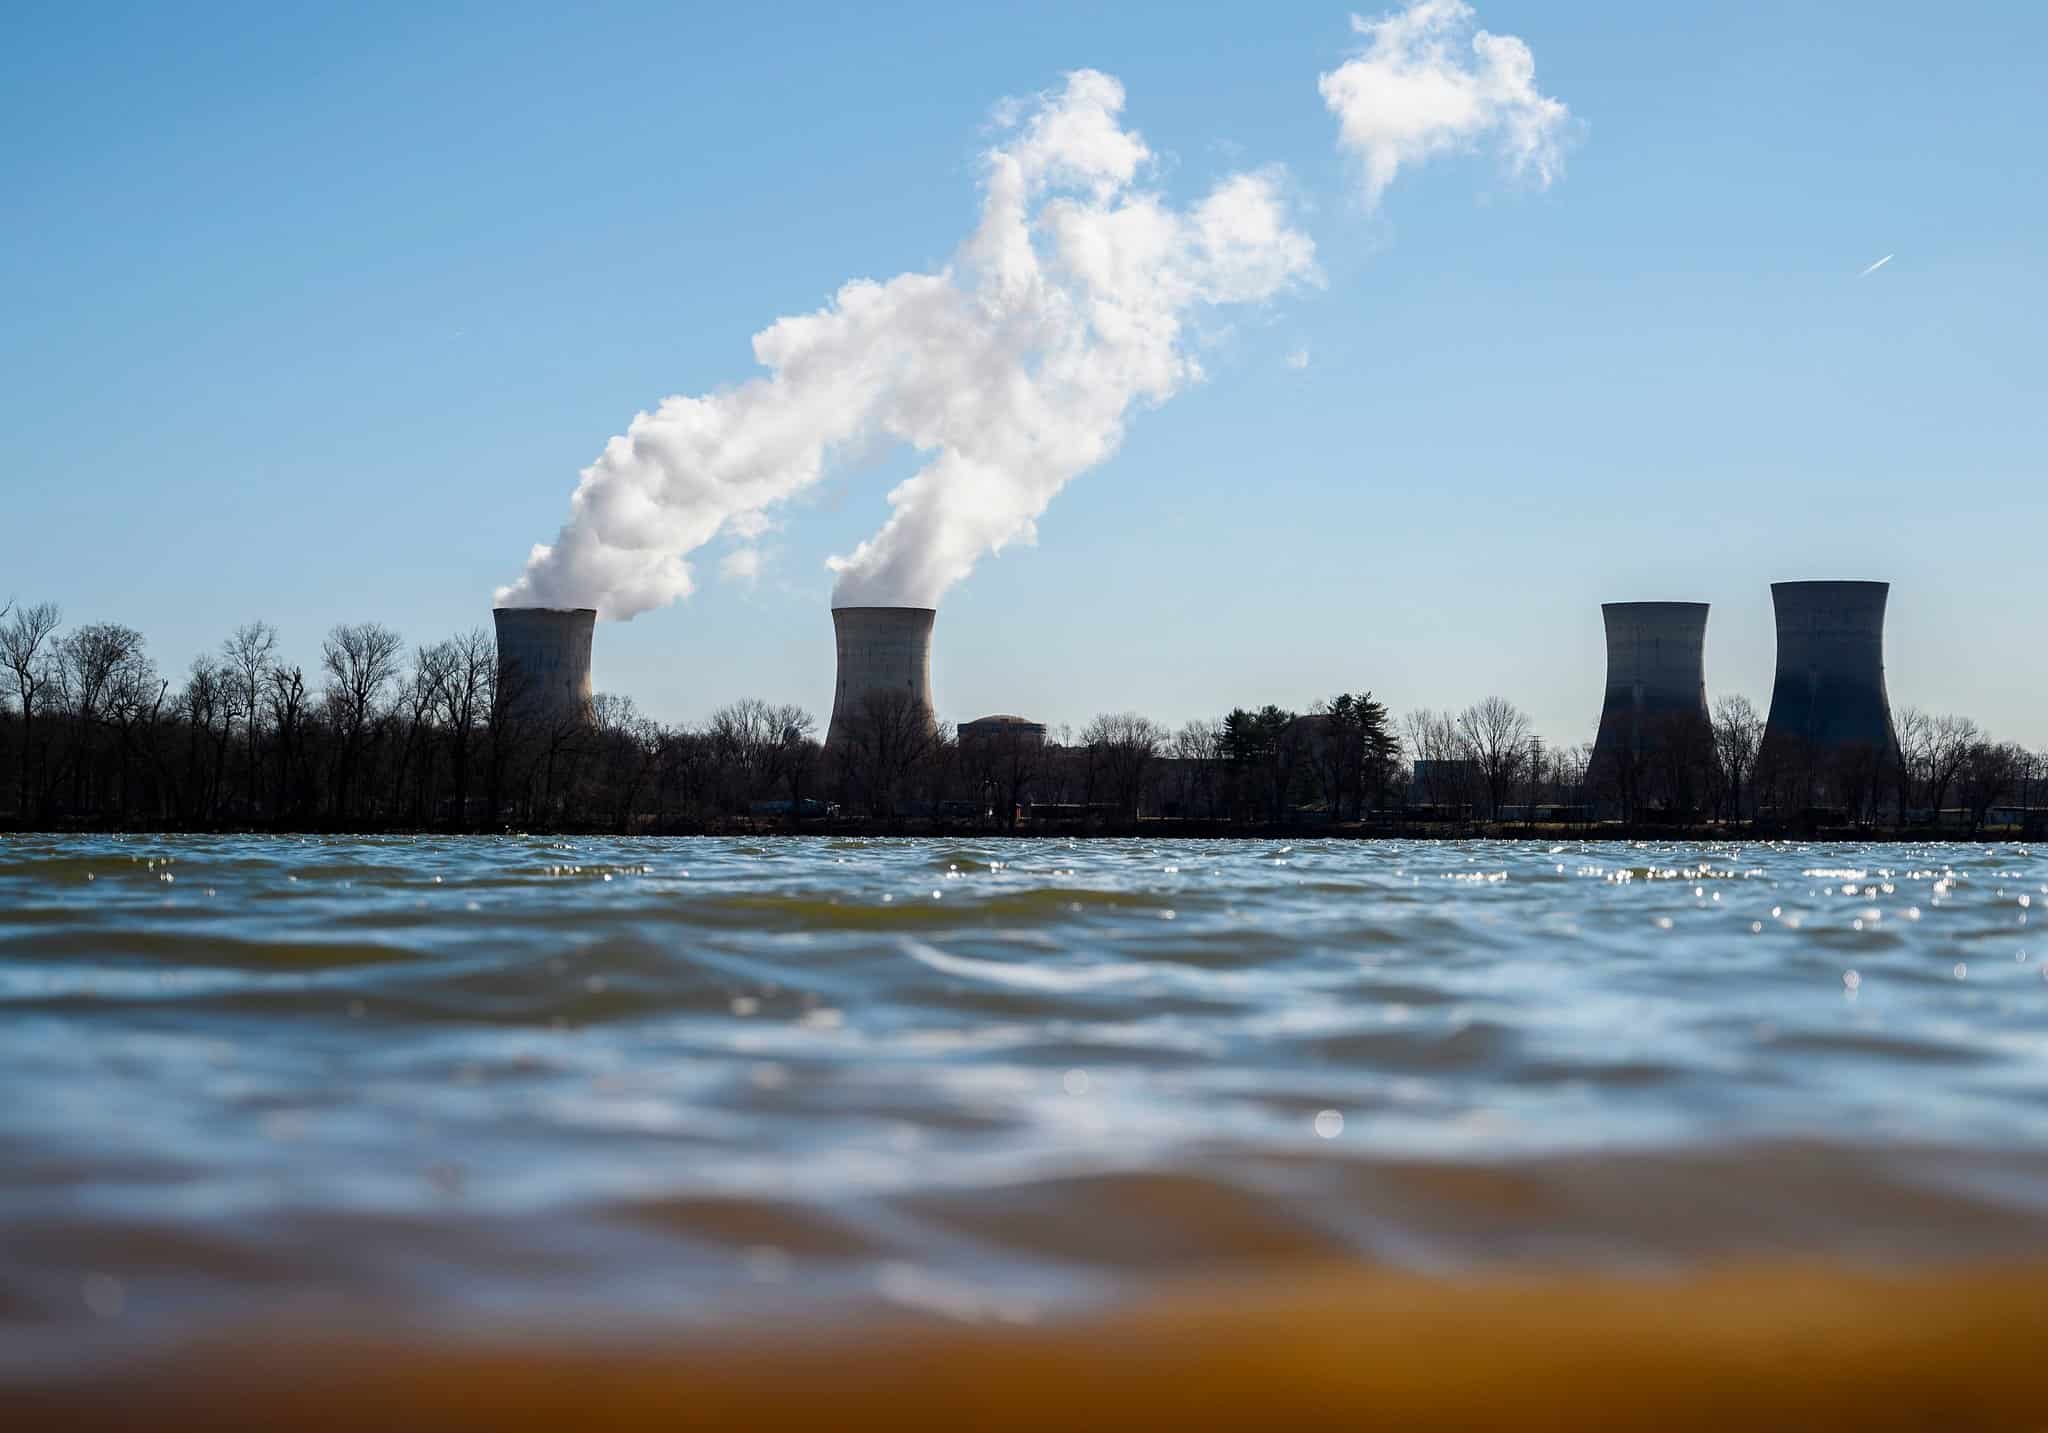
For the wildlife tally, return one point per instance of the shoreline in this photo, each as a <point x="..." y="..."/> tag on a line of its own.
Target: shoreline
<point x="1163" y="828"/>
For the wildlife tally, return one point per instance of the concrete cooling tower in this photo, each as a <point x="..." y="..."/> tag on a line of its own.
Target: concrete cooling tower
<point x="1829" y="696"/>
<point x="544" y="661"/>
<point x="1656" y="702"/>
<point x="883" y="651"/>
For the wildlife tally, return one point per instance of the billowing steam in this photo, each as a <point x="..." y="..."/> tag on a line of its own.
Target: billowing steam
<point x="1009" y="371"/>
<point x="1427" y="81"/>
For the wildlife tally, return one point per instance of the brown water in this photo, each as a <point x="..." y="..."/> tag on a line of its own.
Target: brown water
<point x="599" y="1092"/>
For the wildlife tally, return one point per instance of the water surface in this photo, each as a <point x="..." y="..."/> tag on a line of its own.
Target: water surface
<point x="609" y="1084"/>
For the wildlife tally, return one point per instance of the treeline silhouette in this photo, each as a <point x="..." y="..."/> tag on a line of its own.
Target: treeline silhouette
<point x="381" y="737"/>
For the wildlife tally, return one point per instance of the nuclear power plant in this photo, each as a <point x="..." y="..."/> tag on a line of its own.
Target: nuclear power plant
<point x="883" y="652"/>
<point x="1653" y="721"/>
<point x="544" y="662"/>
<point x="1828" y="739"/>
<point x="1828" y="699"/>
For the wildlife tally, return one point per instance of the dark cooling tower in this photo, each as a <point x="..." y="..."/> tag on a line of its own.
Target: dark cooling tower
<point x="885" y="661"/>
<point x="1651" y="746"/>
<point x="1829" y="698"/>
<point x="544" y="662"/>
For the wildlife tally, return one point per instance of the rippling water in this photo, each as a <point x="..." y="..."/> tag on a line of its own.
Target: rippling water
<point x="594" y="1083"/>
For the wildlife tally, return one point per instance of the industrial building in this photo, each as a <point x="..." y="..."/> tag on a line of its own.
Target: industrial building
<point x="885" y="662"/>
<point x="544" y="663"/>
<point x="1444" y="783"/>
<point x="1828" y="701"/>
<point x="1652" y="745"/>
<point x="1001" y="728"/>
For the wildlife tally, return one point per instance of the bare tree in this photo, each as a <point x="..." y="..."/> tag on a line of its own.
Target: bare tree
<point x="1000" y="764"/>
<point x="508" y="728"/>
<point x="682" y="771"/>
<point x="469" y="667"/>
<point x="1680" y="748"/>
<point x="249" y="653"/>
<point x="1019" y="759"/>
<point x="1055" y="781"/>
<point x="936" y="779"/>
<point x="419" y="699"/>
<point x="796" y="753"/>
<point x="1532" y="776"/>
<point x="2033" y="772"/>
<point x="208" y="703"/>
<point x="1786" y="763"/>
<point x="1948" y="746"/>
<point x="134" y="703"/>
<point x="1620" y="772"/>
<point x="1575" y="762"/>
<point x="1125" y="745"/>
<point x="1568" y="767"/>
<point x="1328" y="752"/>
<point x="284" y="694"/>
<point x="755" y="740"/>
<point x="1913" y="733"/>
<point x="89" y="662"/>
<point x="1198" y="746"/>
<point x="24" y="653"/>
<point x="1738" y="731"/>
<point x="564" y="739"/>
<point x="1496" y="733"/>
<point x="1443" y="761"/>
<point x="1988" y="771"/>
<point x="629" y="747"/>
<point x="889" y="735"/>
<point x="361" y="660"/>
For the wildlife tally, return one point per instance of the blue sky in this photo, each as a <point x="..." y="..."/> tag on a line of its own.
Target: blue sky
<point x="314" y="315"/>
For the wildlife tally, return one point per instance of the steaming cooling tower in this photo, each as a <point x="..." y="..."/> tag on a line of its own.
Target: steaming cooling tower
<point x="1829" y="695"/>
<point x="1656" y="696"/>
<point x="544" y="662"/>
<point x="883" y="652"/>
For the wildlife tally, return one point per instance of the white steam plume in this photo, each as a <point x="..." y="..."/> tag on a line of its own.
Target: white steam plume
<point x="1418" y="88"/>
<point x="1011" y="371"/>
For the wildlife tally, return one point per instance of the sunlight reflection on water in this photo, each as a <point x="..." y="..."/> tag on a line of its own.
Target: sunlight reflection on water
<point x="492" y="1074"/>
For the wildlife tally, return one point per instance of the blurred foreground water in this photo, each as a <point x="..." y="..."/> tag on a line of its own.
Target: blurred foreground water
<point x="601" y="1087"/>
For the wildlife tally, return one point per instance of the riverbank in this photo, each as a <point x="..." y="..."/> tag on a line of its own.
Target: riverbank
<point x="1161" y="828"/>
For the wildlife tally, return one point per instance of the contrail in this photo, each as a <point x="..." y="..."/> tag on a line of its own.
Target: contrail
<point x="1875" y="267"/>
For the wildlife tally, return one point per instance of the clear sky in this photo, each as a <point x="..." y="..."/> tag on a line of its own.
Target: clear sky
<point x="315" y="313"/>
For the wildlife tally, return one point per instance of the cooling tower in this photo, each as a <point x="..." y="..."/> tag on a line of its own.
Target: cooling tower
<point x="1653" y="721"/>
<point x="544" y="662"/>
<point x="1829" y="695"/>
<point x="883" y="651"/>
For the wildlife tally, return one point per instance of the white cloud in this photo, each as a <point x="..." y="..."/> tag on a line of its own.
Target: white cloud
<point x="1010" y="371"/>
<point x="1428" y="81"/>
<point x="1297" y="358"/>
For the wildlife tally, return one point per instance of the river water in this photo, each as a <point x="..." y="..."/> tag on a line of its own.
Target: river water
<point x="589" y="1084"/>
